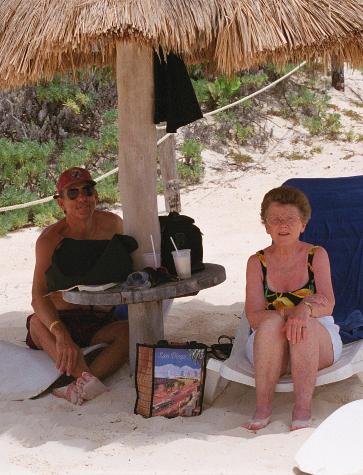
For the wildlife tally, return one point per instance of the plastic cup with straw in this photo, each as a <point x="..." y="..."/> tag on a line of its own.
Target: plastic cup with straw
<point x="154" y="253"/>
<point x="176" y="249"/>
<point x="182" y="261"/>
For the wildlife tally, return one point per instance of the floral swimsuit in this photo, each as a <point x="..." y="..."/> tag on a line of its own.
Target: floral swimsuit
<point x="277" y="300"/>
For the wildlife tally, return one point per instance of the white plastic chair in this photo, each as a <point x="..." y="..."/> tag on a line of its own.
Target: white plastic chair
<point x="237" y="368"/>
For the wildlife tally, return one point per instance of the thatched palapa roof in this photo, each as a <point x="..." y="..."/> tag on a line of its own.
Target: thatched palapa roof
<point x="312" y="30"/>
<point x="41" y="37"/>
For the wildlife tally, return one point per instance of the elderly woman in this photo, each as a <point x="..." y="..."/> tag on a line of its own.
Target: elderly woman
<point x="289" y="302"/>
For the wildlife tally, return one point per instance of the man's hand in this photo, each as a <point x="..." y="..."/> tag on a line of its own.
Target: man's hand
<point x="296" y="323"/>
<point x="67" y="351"/>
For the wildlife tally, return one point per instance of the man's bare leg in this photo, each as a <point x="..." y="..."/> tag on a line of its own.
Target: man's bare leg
<point x="111" y="358"/>
<point x="87" y="385"/>
<point x="116" y="335"/>
<point x="45" y="340"/>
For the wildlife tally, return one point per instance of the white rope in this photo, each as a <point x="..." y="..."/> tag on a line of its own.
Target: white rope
<point x="160" y="141"/>
<point x="26" y="205"/>
<point x="260" y="91"/>
<point x="111" y="172"/>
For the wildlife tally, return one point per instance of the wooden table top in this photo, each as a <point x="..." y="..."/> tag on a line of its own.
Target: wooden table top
<point x="212" y="275"/>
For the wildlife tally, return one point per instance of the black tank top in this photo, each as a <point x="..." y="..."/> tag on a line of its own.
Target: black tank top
<point x="90" y="262"/>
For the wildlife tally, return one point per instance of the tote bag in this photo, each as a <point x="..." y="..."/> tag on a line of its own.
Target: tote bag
<point x="170" y="379"/>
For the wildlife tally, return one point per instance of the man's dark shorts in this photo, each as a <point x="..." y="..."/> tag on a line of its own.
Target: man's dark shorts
<point x="82" y="325"/>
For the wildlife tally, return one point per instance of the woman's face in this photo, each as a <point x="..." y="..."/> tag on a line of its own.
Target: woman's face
<point x="284" y="223"/>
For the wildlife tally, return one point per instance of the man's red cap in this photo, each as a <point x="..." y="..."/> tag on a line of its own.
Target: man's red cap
<point x="73" y="176"/>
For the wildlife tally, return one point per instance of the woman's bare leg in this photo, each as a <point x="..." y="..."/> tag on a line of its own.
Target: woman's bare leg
<point x="314" y="352"/>
<point x="270" y="354"/>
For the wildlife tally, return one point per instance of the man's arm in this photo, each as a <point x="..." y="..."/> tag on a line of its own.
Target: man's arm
<point x="66" y="350"/>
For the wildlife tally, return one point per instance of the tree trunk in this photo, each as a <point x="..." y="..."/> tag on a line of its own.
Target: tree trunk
<point x="337" y="73"/>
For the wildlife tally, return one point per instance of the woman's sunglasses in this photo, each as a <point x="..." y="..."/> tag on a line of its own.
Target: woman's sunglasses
<point x="73" y="193"/>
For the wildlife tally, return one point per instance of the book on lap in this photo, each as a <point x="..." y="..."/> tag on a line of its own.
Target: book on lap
<point x="87" y="288"/>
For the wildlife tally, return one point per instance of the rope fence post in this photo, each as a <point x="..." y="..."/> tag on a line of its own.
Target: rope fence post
<point x="169" y="175"/>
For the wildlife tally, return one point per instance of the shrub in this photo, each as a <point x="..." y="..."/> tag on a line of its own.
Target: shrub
<point x="108" y="191"/>
<point x="23" y="164"/>
<point x="352" y="114"/>
<point x="316" y="149"/>
<point x="314" y="125"/>
<point x="241" y="158"/>
<point x="201" y="90"/>
<point x="223" y="89"/>
<point x="62" y="91"/>
<point x="243" y="133"/>
<point x="190" y="169"/>
<point x="58" y="90"/>
<point x="109" y="131"/>
<point x="332" y="125"/>
<point x="46" y="214"/>
<point x="307" y="101"/>
<point x="326" y="124"/>
<point x="349" y="136"/>
<point x="12" y="220"/>
<point x="256" y="80"/>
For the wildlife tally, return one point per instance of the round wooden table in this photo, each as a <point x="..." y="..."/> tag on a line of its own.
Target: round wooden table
<point x="145" y="318"/>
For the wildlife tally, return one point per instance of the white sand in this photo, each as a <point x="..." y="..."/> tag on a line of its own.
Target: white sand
<point x="50" y="436"/>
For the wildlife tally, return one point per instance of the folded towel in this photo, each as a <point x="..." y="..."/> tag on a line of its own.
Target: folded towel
<point x="352" y="328"/>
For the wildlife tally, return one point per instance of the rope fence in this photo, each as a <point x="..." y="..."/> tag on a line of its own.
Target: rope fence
<point x="165" y="137"/>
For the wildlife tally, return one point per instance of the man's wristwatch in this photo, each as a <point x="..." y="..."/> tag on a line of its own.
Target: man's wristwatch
<point x="308" y="304"/>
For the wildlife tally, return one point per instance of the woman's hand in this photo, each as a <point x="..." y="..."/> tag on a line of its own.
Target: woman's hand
<point x="317" y="299"/>
<point x="296" y="323"/>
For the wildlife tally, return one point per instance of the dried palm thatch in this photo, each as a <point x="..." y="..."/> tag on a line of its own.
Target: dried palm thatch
<point x="41" y="37"/>
<point x="312" y="30"/>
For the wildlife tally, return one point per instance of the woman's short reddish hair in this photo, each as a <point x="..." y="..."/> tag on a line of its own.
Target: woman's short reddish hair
<point x="286" y="195"/>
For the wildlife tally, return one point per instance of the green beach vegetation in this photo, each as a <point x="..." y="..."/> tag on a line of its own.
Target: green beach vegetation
<point x="47" y="128"/>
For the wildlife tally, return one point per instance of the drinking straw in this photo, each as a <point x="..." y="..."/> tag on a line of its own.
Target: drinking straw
<point x="154" y="253"/>
<point x="177" y="251"/>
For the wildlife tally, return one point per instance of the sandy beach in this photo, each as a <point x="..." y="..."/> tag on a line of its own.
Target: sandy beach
<point x="50" y="436"/>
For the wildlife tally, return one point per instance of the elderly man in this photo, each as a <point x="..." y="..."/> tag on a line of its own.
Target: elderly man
<point x="74" y="246"/>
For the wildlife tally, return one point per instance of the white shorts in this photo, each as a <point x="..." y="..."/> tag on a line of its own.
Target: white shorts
<point x="327" y="322"/>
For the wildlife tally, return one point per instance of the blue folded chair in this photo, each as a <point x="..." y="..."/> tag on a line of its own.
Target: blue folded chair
<point x="337" y="225"/>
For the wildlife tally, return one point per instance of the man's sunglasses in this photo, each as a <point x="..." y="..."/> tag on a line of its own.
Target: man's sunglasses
<point x="73" y="193"/>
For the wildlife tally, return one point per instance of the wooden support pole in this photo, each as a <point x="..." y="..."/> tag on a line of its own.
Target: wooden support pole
<point x="145" y="326"/>
<point x="169" y="175"/>
<point x="137" y="176"/>
<point x="137" y="146"/>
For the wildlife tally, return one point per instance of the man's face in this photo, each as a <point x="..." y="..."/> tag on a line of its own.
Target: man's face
<point x="79" y="199"/>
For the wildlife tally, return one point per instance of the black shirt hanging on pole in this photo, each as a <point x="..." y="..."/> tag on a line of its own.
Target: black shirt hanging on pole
<point x="175" y="99"/>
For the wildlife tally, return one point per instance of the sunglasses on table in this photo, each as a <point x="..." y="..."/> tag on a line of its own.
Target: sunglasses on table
<point x="73" y="193"/>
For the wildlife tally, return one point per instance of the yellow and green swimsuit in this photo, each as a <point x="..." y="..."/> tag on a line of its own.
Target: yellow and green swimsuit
<point x="277" y="300"/>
